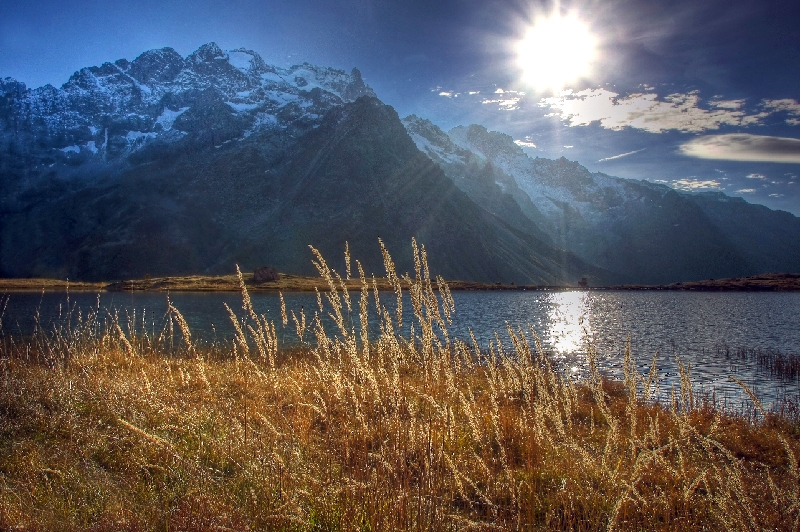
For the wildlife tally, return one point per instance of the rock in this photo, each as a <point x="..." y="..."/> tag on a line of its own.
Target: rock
<point x="265" y="274"/>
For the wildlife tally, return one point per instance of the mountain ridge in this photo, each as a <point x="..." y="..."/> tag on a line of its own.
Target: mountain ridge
<point x="166" y="165"/>
<point x="169" y="165"/>
<point x="645" y="232"/>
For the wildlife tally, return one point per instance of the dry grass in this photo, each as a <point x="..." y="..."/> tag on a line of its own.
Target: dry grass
<point x="227" y="283"/>
<point x="109" y="428"/>
<point x="35" y="285"/>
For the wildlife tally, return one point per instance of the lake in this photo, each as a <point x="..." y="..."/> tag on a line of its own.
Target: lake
<point x="696" y="326"/>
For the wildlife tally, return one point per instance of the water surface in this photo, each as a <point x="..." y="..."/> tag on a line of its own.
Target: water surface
<point x="695" y="326"/>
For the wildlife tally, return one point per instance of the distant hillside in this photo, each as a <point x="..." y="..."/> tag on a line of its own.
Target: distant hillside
<point x="169" y="166"/>
<point x="643" y="232"/>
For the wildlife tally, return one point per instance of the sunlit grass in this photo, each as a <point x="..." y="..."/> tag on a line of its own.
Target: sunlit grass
<point x="106" y="427"/>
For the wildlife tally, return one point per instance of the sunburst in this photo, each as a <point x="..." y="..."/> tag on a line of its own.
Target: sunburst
<point x="556" y="50"/>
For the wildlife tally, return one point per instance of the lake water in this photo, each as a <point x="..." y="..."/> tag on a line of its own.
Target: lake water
<point x="696" y="326"/>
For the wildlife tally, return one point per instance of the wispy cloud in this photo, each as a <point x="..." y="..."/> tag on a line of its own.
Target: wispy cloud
<point x="620" y="156"/>
<point x="696" y="184"/>
<point x="675" y="112"/>
<point x="756" y="176"/>
<point x="744" y="147"/>
<point x="505" y="104"/>
<point x="727" y="104"/>
<point x="507" y="100"/>
<point x="527" y="142"/>
<point x="745" y="191"/>
<point x="786" y="105"/>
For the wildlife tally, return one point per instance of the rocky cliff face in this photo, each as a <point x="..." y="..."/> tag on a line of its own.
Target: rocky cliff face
<point x="106" y="113"/>
<point x="644" y="232"/>
<point x="169" y="165"/>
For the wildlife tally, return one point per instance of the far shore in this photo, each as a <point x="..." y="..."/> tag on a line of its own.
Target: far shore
<point x="772" y="282"/>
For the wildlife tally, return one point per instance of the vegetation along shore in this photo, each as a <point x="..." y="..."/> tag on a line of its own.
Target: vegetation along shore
<point x="107" y="425"/>
<point x="771" y="282"/>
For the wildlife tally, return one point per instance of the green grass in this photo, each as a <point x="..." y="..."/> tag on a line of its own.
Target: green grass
<point x="109" y="428"/>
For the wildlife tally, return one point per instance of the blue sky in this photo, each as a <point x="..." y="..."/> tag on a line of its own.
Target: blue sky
<point x="697" y="95"/>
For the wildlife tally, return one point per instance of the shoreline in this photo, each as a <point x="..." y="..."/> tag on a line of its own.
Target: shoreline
<point x="774" y="282"/>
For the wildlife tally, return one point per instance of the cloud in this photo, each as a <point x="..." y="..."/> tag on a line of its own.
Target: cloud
<point x="745" y="191"/>
<point x="675" y="112"/>
<point x="756" y="176"/>
<point x="696" y="184"/>
<point x="508" y="102"/>
<point x="785" y="105"/>
<point x="620" y="156"/>
<point x="727" y="104"/>
<point x="744" y="147"/>
<point x="527" y="142"/>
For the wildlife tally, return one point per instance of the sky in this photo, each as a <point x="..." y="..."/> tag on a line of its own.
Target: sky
<point x="701" y="96"/>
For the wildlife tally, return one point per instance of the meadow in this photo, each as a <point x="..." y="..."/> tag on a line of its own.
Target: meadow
<point x="106" y="425"/>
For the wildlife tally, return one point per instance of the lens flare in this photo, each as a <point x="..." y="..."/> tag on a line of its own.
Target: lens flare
<point x="555" y="51"/>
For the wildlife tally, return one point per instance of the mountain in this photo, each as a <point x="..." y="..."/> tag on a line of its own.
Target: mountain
<point x="641" y="231"/>
<point x="168" y="165"/>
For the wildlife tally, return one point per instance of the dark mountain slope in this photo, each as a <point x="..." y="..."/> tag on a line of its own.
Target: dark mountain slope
<point x="644" y="232"/>
<point x="362" y="153"/>
<point x="178" y="208"/>
<point x="769" y="240"/>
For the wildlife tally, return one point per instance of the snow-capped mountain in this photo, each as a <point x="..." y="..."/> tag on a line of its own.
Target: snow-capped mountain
<point x="645" y="232"/>
<point x="170" y="165"/>
<point x="109" y="111"/>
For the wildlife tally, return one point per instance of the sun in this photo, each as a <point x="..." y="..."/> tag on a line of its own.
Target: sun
<point x="555" y="51"/>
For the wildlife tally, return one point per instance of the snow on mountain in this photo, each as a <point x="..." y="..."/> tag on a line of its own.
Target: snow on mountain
<point x="433" y="142"/>
<point x="120" y="107"/>
<point x="643" y="231"/>
<point x="550" y="184"/>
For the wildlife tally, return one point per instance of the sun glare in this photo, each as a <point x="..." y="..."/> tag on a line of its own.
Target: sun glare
<point x="555" y="51"/>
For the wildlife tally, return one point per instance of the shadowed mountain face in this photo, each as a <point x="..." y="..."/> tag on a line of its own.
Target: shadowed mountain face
<point x="641" y="231"/>
<point x="167" y="165"/>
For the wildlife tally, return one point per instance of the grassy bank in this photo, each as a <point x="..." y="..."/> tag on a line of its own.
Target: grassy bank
<point x="777" y="282"/>
<point x="225" y="283"/>
<point x="112" y="428"/>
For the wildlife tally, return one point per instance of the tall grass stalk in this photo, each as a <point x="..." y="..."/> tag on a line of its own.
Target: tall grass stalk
<point x="106" y="425"/>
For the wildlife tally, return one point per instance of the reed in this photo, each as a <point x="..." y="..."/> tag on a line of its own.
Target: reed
<point x="106" y="425"/>
<point x="784" y="366"/>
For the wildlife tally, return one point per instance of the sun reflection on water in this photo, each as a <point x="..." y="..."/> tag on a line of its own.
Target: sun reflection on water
<point x="569" y="321"/>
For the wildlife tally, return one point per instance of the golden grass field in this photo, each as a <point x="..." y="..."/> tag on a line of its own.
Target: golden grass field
<point x="217" y="283"/>
<point x="786" y="282"/>
<point x="109" y="427"/>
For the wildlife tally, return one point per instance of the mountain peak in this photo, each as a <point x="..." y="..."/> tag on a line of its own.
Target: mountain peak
<point x="484" y="142"/>
<point x="207" y="53"/>
<point x="158" y="65"/>
<point x="246" y="60"/>
<point x="12" y="86"/>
